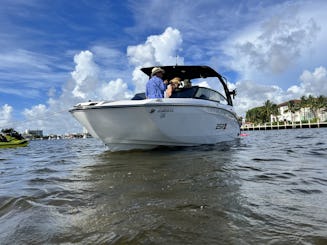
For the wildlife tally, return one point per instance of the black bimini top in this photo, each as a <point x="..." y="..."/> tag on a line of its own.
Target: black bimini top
<point x="185" y="72"/>
<point x="192" y="72"/>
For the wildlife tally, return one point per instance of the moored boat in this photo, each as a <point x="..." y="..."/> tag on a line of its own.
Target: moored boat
<point x="10" y="138"/>
<point x="193" y="115"/>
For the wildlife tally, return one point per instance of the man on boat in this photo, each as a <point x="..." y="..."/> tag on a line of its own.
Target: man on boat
<point x="155" y="87"/>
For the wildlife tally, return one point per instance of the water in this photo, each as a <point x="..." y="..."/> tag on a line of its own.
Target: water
<point x="265" y="188"/>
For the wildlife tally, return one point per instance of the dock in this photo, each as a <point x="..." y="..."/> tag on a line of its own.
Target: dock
<point x="286" y="125"/>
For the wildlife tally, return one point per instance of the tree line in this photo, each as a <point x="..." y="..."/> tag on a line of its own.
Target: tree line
<point x="263" y="113"/>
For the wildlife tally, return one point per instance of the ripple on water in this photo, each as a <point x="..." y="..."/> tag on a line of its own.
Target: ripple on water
<point x="304" y="191"/>
<point x="268" y="160"/>
<point x="270" y="187"/>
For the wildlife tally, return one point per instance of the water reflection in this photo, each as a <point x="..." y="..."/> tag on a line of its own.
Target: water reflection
<point x="163" y="196"/>
<point x="269" y="187"/>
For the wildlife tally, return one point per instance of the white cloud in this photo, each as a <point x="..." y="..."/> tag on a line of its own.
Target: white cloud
<point x="37" y="115"/>
<point x="203" y="84"/>
<point x="277" y="47"/>
<point x="252" y="94"/>
<point x="85" y="74"/>
<point x="314" y="83"/>
<point x="5" y="115"/>
<point x="272" y="48"/>
<point x="157" y="50"/>
<point x="115" y="90"/>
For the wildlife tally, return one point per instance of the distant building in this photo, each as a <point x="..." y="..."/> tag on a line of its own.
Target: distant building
<point x="33" y="133"/>
<point x="300" y="114"/>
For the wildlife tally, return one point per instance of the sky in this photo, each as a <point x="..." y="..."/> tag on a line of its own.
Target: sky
<point x="57" y="53"/>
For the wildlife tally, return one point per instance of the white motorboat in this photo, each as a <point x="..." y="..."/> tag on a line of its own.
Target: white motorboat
<point x="193" y="115"/>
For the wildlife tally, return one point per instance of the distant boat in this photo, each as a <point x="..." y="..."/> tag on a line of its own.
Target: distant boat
<point x="193" y="115"/>
<point x="10" y="138"/>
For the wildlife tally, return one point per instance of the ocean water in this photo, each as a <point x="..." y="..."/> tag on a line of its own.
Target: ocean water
<point x="269" y="187"/>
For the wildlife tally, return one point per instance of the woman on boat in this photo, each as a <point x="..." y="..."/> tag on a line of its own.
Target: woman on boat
<point x="173" y="84"/>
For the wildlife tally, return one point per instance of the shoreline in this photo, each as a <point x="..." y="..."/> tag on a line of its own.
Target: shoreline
<point x="269" y="126"/>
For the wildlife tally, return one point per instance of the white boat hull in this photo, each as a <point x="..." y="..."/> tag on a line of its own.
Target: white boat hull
<point x="146" y="124"/>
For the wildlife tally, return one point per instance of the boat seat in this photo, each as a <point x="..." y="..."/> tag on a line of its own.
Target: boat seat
<point x="184" y="93"/>
<point x="139" y="96"/>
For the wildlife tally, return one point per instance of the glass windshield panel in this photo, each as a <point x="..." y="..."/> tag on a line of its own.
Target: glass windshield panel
<point x="208" y="94"/>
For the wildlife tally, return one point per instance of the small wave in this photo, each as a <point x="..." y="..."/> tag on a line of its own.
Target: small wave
<point x="268" y="160"/>
<point x="39" y="180"/>
<point x="320" y="180"/>
<point x="318" y="152"/>
<point x="250" y="168"/>
<point x="304" y="137"/>
<point x="264" y="177"/>
<point x="289" y="174"/>
<point x="191" y="207"/>
<point x="304" y="191"/>
<point x="44" y="171"/>
<point x="14" y="203"/>
<point x="281" y="176"/>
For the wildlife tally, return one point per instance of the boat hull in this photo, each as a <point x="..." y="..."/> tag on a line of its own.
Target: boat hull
<point x="150" y="123"/>
<point x="13" y="143"/>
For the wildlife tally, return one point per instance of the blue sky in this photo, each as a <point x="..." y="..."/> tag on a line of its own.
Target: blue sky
<point x="54" y="54"/>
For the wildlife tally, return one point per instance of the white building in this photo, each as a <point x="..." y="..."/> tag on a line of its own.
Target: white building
<point x="303" y="114"/>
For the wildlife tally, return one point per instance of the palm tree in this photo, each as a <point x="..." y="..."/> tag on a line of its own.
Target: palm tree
<point x="270" y="109"/>
<point x="304" y="104"/>
<point x="267" y="109"/>
<point x="292" y="107"/>
<point x="274" y="111"/>
<point x="321" y="103"/>
<point x="255" y="115"/>
<point x="262" y="114"/>
<point x="312" y="105"/>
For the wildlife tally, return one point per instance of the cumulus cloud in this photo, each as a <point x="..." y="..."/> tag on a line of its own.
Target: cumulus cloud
<point x="157" y="50"/>
<point x="5" y="115"/>
<point x="314" y="83"/>
<point x="85" y="74"/>
<point x="115" y="90"/>
<point x="251" y="94"/>
<point x="37" y="115"/>
<point x="274" y="47"/>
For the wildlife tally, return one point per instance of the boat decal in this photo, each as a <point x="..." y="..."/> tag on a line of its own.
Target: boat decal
<point x="165" y="109"/>
<point x="221" y="125"/>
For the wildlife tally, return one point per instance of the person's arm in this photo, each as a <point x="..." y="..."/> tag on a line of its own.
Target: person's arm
<point x="169" y="91"/>
<point x="162" y="84"/>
